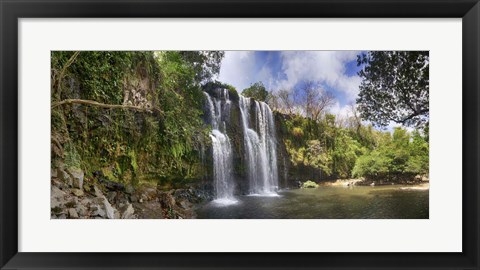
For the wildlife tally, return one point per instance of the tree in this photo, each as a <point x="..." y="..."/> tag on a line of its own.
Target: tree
<point x="206" y="64"/>
<point x="395" y="87"/>
<point x="286" y="101"/>
<point x="400" y="157"/>
<point x="362" y="133"/>
<point x="315" y="100"/>
<point x="256" y="91"/>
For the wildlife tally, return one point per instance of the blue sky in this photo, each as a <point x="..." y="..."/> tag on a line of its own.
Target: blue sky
<point x="334" y="71"/>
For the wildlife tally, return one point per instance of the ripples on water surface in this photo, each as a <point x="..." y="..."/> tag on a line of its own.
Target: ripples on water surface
<point x="392" y="202"/>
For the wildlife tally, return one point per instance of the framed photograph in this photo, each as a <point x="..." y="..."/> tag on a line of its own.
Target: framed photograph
<point x="225" y="134"/>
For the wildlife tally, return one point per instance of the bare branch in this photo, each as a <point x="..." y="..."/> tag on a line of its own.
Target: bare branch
<point x="103" y="105"/>
<point x="62" y="73"/>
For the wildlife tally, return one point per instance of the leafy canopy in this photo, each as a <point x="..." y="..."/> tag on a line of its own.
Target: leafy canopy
<point x="256" y="91"/>
<point x="399" y="157"/>
<point x="395" y="87"/>
<point x="205" y="64"/>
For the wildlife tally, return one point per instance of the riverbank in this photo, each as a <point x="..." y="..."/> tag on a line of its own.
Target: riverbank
<point x="420" y="183"/>
<point x="74" y="196"/>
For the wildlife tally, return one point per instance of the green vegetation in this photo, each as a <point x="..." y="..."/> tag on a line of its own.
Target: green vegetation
<point x="133" y="116"/>
<point x="400" y="157"/>
<point x="332" y="149"/>
<point x="310" y="184"/>
<point x="256" y="91"/>
<point x="319" y="145"/>
<point x="395" y="87"/>
<point x="138" y="116"/>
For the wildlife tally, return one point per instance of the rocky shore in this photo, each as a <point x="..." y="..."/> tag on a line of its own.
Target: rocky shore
<point x="73" y="196"/>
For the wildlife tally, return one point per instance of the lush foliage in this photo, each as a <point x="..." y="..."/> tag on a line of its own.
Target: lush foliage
<point x="309" y="184"/>
<point x="399" y="157"/>
<point x="161" y="143"/>
<point x="157" y="131"/>
<point x="205" y="64"/>
<point x="330" y="149"/>
<point x="324" y="146"/>
<point x="256" y="91"/>
<point x="395" y="87"/>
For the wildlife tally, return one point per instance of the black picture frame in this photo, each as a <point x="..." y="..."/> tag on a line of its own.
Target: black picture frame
<point x="11" y="11"/>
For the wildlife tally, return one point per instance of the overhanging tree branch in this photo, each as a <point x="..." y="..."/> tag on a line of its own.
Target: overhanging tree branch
<point x="103" y="105"/>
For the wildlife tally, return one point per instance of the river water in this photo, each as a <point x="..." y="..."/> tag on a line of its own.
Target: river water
<point x="327" y="202"/>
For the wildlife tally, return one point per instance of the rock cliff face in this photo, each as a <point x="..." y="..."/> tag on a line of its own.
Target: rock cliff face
<point x="283" y="159"/>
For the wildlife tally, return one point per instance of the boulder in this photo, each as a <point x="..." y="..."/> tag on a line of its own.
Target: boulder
<point x="60" y="184"/>
<point x="129" y="189"/>
<point x="85" y="201"/>
<point x="57" y="197"/>
<point x="127" y="211"/>
<point x="53" y="173"/>
<point x="77" y="192"/>
<point x="166" y="200"/>
<point x="58" y="211"/>
<point x="184" y="204"/>
<point x="121" y="199"/>
<point x="77" y="178"/>
<point x="106" y="207"/>
<point x="64" y="176"/>
<point x="146" y="193"/>
<point x="112" y="195"/>
<point x="97" y="211"/>
<point x="71" y="203"/>
<point x="72" y="213"/>
<point x="116" y="214"/>
<point x="81" y="210"/>
<point x="98" y="193"/>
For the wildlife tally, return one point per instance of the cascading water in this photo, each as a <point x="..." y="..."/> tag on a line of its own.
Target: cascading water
<point x="260" y="147"/>
<point x="222" y="148"/>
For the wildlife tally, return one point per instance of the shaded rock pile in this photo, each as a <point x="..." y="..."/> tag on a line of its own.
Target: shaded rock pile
<point x="74" y="197"/>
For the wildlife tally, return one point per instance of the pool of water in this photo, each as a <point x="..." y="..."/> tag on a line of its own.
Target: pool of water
<point x="327" y="202"/>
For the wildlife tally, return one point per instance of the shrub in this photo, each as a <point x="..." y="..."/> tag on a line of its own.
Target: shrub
<point x="309" y="184"/>
<point x="297" y="132"/>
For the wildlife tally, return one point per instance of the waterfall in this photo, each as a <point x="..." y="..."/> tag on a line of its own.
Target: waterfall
<point x="222" y="149"/>
<point x="260" y="147"/>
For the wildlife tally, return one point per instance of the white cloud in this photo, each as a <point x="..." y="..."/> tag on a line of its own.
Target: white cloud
<point x="238" y="68"/>
<point x="265" y="75"/>
<point x="392" y="125"/>
<point x="327" y="67"/>
<point x="342" y="112"/>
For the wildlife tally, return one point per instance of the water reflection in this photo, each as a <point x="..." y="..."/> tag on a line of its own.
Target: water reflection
<point x="383" y="202"/>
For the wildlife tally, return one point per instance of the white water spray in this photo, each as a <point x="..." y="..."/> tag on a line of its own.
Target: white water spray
<point x="222" y="149"/>
<point x="260" y="147"/>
